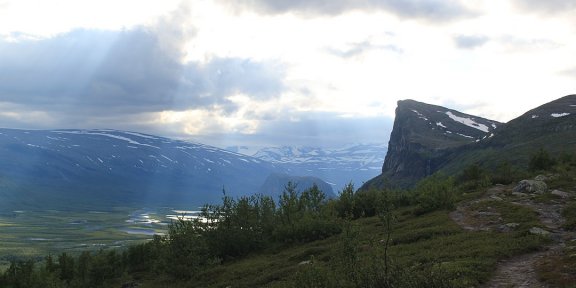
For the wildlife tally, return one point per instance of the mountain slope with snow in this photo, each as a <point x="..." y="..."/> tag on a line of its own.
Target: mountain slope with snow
<point x="108" y="166"/>
<point x="340" y="166"/>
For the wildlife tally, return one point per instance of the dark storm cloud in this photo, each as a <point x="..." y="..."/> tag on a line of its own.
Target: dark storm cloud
<point x="547" y="6"/>
<point x="131" y="71"/>
<point x="436" y="10"/>
<point x="470" y="41"/>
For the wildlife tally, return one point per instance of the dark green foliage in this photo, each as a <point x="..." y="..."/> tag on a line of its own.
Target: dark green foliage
<point x="66" y="267"/>
<point x="435" y="192"/>
<point x="473" y="177"/>
<point x="187" y="250"/>
<point x="345" y="205"/>
<point x="541" y="161"/>
<point x="304" y="217"/>
<point x="505" y="173"/>
<point x="569" y="213"/>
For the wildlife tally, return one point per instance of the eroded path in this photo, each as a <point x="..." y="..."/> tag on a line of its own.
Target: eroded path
<point x="518" y="271"/>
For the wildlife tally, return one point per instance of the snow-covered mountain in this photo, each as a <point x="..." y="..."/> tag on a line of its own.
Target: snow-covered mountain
<point x="339" y="166"/>
<point x="90" y="167"/>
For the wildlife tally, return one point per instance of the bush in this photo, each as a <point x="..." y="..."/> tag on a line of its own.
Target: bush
<point x="541" y="161"/>
<point x="435" y="192"/>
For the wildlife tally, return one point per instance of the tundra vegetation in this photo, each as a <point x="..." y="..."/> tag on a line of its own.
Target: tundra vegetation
<point x="372" y="238"/>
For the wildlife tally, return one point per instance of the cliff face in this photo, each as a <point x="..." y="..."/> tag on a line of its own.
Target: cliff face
<point x="428" y="138"/>
<point x="422" y="134"/>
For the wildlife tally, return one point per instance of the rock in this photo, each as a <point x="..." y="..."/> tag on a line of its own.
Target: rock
<point x="508" y="227"/>
<point x="540" y="178"/>
<point x="307" y="262"/>
<point x="493" y="197"/>
<point x="539" y="231"/>
<point x="519" y="194"/>
<point x="531" y="186"/>
<point x="486" y="213"/>
<point x="561" y="194"/>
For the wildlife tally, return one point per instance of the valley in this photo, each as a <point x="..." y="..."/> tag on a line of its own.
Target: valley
<point x="35" y="233"/>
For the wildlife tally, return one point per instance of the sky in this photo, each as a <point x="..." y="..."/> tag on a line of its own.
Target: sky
<point x="258" y="73"/>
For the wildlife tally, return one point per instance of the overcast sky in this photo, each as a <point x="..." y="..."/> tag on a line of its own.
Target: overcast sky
<point x="277" y="72"/>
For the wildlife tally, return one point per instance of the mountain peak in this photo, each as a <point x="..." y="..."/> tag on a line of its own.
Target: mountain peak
<point x="422" y="131"/>
<point x="428" y="138"/>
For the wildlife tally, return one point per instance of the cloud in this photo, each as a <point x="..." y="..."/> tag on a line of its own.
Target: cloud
<point x="359" y="48"/>
<point x="141" y="70"/>
<point x="323" y="129"/>
<point x="435" y="10"/>
<point x="470" y="41"/>
<point x="546" y="7"/>
<point x="569" y="73"/>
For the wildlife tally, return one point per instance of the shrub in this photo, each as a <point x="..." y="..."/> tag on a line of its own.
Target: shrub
<point x="435" y="192"/>
<point x="541" y="161"/>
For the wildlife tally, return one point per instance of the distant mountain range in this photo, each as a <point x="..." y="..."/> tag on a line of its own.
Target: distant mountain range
<point x="87" y="167"/>
<point x="428" y="138"/>
<point x="338" y="166"/>
<point x="103" y="168"/>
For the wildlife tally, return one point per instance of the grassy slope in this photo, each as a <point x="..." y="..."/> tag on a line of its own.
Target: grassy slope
<point x="433" y="240"/>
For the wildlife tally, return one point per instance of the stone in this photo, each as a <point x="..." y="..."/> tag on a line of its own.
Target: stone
<point x="560" y="194"/>
<point x="519" y="194"/>
<point x="493" y="197"/>
<point x="307" y="262"/>
<point x="531" y="186"/>
<point x="539" y="231"/>
<point x="540" y="178"/>
<point x="512" y="225"/>
<point x="486" y="214"/>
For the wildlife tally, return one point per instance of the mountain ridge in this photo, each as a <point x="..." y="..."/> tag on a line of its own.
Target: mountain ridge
<point x="121" y="166"/>
<point x="418" y="148"/>
<point x="338" y="166"/>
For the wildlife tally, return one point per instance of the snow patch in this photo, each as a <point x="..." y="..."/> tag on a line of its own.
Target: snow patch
<point x="166" y="157"/>
<point x="440" y="124"/>
<point x="535" y="116"/>
<point x="465" y="135"/>
<point x="558" y="115"/>
<point x="468" y="122"/>
<point x="420" y="115"/>
<point x="82" y="132"/>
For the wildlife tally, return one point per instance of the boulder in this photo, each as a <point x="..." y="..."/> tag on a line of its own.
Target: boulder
<point x="539" y="231"/>
<point x="560" y="194"/>
<point x="531" y="186"/>
<point x="519" y="194"/>
<point x="540" y="178"/>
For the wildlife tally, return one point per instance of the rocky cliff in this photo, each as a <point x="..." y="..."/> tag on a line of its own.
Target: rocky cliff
<point x="422" y="134"/>
<point x="428" y="138"/>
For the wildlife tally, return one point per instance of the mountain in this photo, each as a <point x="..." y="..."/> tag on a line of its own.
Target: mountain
<point x="428" y="138"/>
<point x="107" y="167"/>
<point x="422" y="132"/>
<point x="276" y="182"/>
<point x="354" y="163"/>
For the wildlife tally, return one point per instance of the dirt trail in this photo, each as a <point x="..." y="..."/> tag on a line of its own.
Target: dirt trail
<point x="517" y="271"/>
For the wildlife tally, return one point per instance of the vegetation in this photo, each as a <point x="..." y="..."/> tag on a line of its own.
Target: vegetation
<point x="375" y="238"/>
